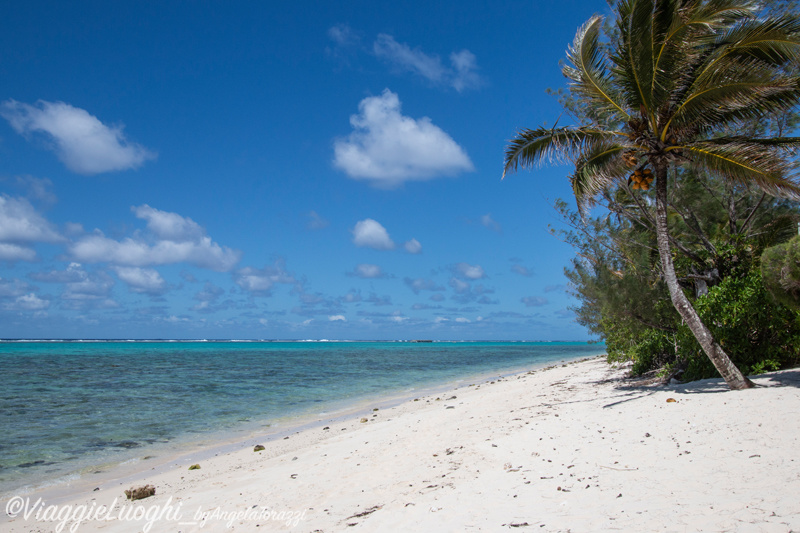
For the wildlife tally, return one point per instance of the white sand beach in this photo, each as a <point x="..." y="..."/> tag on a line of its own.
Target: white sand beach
<point x="569" y="448"/>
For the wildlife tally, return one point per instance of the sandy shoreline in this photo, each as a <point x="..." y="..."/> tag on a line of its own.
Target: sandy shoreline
<point x="142" y="463"/>
<point x="567" y="448"/>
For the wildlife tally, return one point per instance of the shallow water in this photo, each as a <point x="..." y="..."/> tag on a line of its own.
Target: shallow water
<point x="67" y="407"/>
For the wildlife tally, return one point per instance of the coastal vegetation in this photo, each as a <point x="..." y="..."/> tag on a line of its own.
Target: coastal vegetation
<point x="683" y="111"/>
<point x="722" y="232"/>
<point x="780" y="268"/>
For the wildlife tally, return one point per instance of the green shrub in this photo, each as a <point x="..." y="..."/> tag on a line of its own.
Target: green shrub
<point x="780" y="269"/>
<point x="757" y="334"/>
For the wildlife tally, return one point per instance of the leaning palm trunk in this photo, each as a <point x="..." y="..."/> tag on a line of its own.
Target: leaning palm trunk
<point x="732" y="375"/>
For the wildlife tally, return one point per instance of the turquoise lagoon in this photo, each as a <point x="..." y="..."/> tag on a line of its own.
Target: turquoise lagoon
<point x="68" y="406"/>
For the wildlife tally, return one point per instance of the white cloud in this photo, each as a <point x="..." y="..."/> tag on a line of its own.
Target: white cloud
<point x="188" y="276"/>
<point x="388" y="148"/>
<point x="210" y="293"/>
<point x="72" y="274"/>
<point x="82" y="289"/>
<point x="521" y="270"/>
<point x="461" y="75"/>
<point x="89" y="287"/>
<point x="172" y="319"/>
<point x="13" y="288"/>
<point x="565" y="313"/>
<point x="15" y="252"/>
<point x="351" y="297"/>
<point x="464" y="292"/>
<point x="82" y="142"/>
<point x="462" y="320"/>
<point x="316" y="222"/>
<point x="142" y="280"/>
<point x="204" y="253"/>
<point x="533" y="301"/>
<point x="488" y="222"/>
<point x="169" y="226"/>
<point x="374" y="299"/>
<point x="470" y="271"/>
<point x="346" y="44"/>
<point x="372" y="234"/>
<point x="260" y="281"/>
<point x="19" y="222"/>
<point x="37" y="188"/>
<point x="208" y="299"/>
<point x="465" y="65"/>
<point x="413" y="246"/>
<point x="308" y="298"/>
<point x="72" y="229"/>
<point x="416" y="61"/>
<point x="461" y="287"/>
<point x="365" y="270"/>
<point x="30" y="302"/>
<point x="253" y="280"/>
<point x="335" y="318"/>
<point x="480" y="290"/>
<point x="342" y="35"/>
<point x="422" y="284"/>
<point x="173" y="239"/>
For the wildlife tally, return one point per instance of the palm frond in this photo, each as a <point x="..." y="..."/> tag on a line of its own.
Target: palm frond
<point x="664" y="52"/>
<point x="602" y="163"/>
<point x="786" y="143"/>
<point x="688" y="30"/>
<point x="749" y="163"/>
<point x="751" y="44"/>
<point x="736" y="98"/>
<point x="778" y="230"/>
<point x="533" y="146"/>
<point x="597" y="167"/>
<point x="774" y="41"/>
<point x="589" y="73"/>
<point x="716" y="14"/>
<point x="634" y="56"/>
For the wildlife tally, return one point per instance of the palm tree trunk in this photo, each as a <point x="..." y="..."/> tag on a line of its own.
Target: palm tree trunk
<point x="732" y="376"/>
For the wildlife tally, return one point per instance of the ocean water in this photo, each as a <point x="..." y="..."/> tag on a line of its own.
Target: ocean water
<point x="68" y="406"/>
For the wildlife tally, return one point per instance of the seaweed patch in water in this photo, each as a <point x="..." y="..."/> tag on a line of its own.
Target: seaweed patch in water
<point x="35" y="463"/>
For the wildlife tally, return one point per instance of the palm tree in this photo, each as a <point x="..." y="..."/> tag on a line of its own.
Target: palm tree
<point x="660" y="94"/>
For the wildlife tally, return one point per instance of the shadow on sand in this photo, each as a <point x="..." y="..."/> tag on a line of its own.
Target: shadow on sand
<point x="630" y="389"/>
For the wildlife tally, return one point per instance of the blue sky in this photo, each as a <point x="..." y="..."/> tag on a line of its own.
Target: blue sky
<point x="293" y="170"/>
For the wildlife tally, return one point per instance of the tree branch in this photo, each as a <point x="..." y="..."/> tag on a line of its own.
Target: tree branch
<point x="749" y="220"/>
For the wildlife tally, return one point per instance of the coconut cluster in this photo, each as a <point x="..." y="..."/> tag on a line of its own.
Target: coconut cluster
<point x="642" y="178"/>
